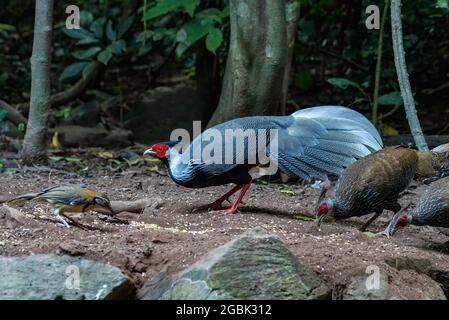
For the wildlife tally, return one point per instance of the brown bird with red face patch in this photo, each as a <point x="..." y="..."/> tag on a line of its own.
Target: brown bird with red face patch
<point x="373" y="183"/>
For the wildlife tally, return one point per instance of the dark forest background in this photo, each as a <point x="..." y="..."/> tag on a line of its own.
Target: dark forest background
<point x="142" y="68"/>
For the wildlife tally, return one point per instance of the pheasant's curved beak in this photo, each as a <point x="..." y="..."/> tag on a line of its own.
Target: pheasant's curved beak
<point x="149" y="152"/>
<point x="318" y="219"/>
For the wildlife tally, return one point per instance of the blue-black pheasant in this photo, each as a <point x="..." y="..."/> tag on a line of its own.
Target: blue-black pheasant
<point x="310" y="143"/>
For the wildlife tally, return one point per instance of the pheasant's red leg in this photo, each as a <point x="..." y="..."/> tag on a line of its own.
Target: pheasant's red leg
<point x="236" y="203"/>
<point x="217" y="204"/>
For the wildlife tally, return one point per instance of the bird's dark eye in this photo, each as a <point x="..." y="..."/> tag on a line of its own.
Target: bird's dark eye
<point x="98" y="200"/>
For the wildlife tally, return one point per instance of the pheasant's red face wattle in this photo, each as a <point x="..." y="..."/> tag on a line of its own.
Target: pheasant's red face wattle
<point x="160" y="150"/>
<point x="323" y="209"/>
<point x="401" y="222"/>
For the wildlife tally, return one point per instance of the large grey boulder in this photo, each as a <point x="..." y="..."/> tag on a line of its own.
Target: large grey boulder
<point x="256" y="265"/>
<point x="408" y="279"/>
<point x="48" y="277"/>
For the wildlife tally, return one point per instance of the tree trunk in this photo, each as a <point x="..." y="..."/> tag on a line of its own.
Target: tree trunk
<point x="404" y="83"/>
<point x="35" y="142"/>
<point x="257" y="58"/>
<point x="292" y="15"/>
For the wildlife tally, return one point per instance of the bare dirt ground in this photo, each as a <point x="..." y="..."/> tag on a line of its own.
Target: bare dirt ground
<point x="171" y="235"/>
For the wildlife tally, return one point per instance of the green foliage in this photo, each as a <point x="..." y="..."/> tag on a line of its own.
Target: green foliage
<point x="68" y="159"/>
<point x="3" y="114"/>
<point x="64" y="113"/>
<point x="334" y="47"/>
<point x="392" y="98"/>
<point x="343" y="83"/>
<point x="73" y="70"/>
<point x="191" y="26"/>
<point x="98" y="39"/>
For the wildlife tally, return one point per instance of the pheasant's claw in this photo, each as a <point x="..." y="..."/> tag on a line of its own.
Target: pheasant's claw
<point x="229" y="211"/>
<point x="211" y="207"/>
<point x="384" y="233"/>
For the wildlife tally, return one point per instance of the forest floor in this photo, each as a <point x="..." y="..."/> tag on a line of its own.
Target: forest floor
<point x="171" y="235"/>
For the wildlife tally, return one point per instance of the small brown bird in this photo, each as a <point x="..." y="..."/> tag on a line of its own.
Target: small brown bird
<point x="69" y="198"/>
<point x="432" y="209"/>
<point x="373" y="183"/>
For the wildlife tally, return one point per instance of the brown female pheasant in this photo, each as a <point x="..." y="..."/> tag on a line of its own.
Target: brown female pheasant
<point x="373" y="183"/>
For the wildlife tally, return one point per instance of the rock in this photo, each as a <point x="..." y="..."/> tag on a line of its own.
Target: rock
<point x="406" y="263"/>
<point x="391" y="284"/>
<point x="49" y="277"/>
<point x="73" y="136"/>
<point x="86" y="115"/>
<point x="256" y="265"/>
<point x="73" y="248"/>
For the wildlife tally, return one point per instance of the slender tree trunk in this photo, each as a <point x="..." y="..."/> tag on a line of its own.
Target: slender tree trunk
<point x="404" y="83"/>
<point x="375" y="118"/>
<point x="258" y="49"/>
<point x="35" y="142"/>
<point x="291" y="16"/>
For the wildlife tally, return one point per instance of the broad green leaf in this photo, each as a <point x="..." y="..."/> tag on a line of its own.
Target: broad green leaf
<point x="190" y="5"/>
<point x="68" y="159"/>
<point x="370" y="234"/>
<point x="214" y="39"/>
<point x="110" y="33"/>
<point x="288" y="192"/>
<point x="118" y="47"/>
<point x="97" y="27"/>
<point x="303" y="217"/>
<point x="196" y="29"/>
<point x="78" y="33"/>
<point x="124" y="26"/>
<point x="211" y="13"/>
<point x="7" y="27"/>
<point x="343" y="83"/>
<point x="104" y="56"/>
<point x="2" y="114"/>
<point x="64" y="113"/>
<point x="88" y="40"/>
<point x="166" y="6"/>
<point x="73" y="70"/>
<point x="84" y="54"/>
<point x="88" y="69"/>
<point x="144" y="35"/>
<point x="392" y="98"/>
<point x="86" y="18"/>
<point x="442" y="4"/>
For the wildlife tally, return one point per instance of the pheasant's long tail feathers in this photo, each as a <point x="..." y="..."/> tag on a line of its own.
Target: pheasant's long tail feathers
<point x="323" y="140"/>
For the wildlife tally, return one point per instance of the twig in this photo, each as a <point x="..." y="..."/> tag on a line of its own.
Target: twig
<point x="12" y="114"/>
<point x="136" y="206"/>
<point x="347" y="60"/>
<point x="404" y="83"/>
<point x="375" y="119"/>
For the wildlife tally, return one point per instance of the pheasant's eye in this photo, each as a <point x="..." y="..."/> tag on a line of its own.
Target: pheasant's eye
<point x="98" y="200"/>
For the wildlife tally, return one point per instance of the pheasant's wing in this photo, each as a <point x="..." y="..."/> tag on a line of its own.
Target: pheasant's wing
<point x="321" y="140"/>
